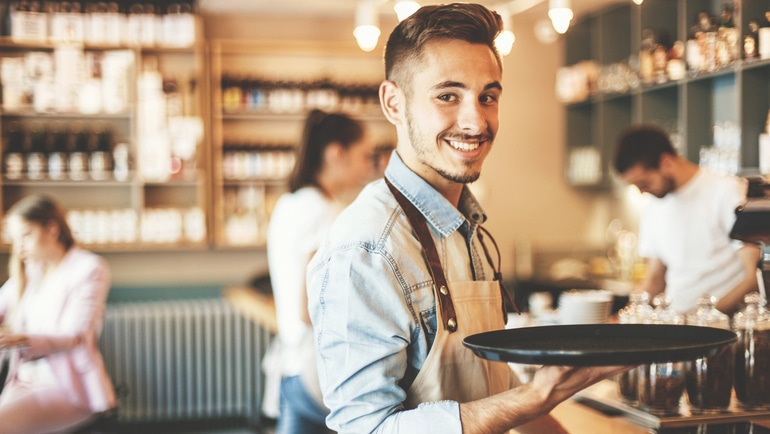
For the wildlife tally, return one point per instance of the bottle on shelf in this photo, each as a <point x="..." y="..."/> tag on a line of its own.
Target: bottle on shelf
<point x="255" y="95"/>
<point x="232" y="94"/>
<point x="68" y="24"/>
<point x="120" y="158"/>
<point x="178" y="25"/>
<point x="28" y="23"/>
<point x="34" y="150"/>
<point x="100" y="152"/>
<point x="13" y="161"/>
<point x="174" y="100"/>
<point x="751" y="40"/>
<point x="152" y="25"/>
<point x="95" y="22"/>
<point x="134" y="22"/>
<point x="56" y="144"/>
<point x="142" y="25"/>
<point x="114" y="24"/>
<point x="77" y="148"/>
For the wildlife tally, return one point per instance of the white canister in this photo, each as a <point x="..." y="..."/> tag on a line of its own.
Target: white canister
<point x="764" y="42"/>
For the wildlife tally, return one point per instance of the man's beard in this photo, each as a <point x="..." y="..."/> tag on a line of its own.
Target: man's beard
<point x="668" y="187"/>
<point x="423" y="155"/>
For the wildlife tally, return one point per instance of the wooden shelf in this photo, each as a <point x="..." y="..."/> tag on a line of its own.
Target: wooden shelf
<point x="738" y="93"/>
<point x="276" y="61"/>
<point x="190" y="192"/>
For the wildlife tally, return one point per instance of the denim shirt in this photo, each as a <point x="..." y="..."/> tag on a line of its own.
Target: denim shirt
<point x="372" y="304"/>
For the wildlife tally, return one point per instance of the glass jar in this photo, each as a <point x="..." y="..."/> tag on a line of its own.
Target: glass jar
<point x="752" y="354"/>
<point x="661" y="385"/>
<point x="637" y="311"/>
<point x="710" y="379"/>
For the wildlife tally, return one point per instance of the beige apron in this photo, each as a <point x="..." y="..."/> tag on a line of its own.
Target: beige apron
<point x="451" y="371"/>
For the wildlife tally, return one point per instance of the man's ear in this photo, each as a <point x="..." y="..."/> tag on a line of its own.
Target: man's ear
<point x="666" y="161"/>
<point x="392" y="101"/>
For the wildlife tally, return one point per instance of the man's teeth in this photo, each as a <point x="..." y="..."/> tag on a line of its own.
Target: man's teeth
<point x="464" y="146"/>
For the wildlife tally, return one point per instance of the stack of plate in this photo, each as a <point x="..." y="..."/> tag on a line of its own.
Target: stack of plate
<point x="590" y="306"/>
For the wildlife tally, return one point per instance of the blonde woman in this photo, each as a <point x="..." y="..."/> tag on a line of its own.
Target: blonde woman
<point x="52" y="309"/>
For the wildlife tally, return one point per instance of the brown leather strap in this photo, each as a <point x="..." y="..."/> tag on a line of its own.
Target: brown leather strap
<point x="507" y="300"/>
<point x="417" y="221"/>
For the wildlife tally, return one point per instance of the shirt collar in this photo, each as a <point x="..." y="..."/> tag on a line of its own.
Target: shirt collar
<point x="436" y="209"/>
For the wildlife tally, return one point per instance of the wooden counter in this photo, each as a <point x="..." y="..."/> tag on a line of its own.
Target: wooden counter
<point x="255" y="305"/>
<point x="581" y="419"/>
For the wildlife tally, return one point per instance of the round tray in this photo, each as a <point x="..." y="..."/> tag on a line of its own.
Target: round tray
<point x="599" y="344"/>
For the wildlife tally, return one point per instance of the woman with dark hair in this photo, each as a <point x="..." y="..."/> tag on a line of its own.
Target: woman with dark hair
<point x="334" y="161"/>
<point x="51" y="311"/>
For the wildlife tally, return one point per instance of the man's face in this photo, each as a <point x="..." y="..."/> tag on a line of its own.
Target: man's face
<point x="653" y="181"/>
<point x="451" y="111"/>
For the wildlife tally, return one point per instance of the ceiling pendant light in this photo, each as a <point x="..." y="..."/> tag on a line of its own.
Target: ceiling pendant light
<point x="638" y="2"/>
<point x="505" y="39"/>
<point x="560" y="13"/>
<point x="405" y="8"/>
<point x="367" y="32"/>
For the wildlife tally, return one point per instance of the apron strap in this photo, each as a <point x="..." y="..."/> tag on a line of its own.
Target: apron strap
<point x="434" y="263"/>
<point x="507" y="300"/>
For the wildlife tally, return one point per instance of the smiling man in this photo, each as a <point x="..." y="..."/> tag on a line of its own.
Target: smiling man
<point x="404" y="275"/>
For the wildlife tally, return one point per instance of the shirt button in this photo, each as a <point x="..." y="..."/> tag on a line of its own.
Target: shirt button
<point x="451" y="324"/>
<point x="443" y="290"/>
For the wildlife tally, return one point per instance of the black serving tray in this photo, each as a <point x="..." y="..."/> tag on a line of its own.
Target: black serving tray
<point x="599" y="344"/>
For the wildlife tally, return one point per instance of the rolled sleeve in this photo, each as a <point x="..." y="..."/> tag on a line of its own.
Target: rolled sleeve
<point x="365" y="331"/>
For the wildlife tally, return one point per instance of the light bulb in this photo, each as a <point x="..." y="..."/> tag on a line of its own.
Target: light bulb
<point x="405" y="8"/>
<point x="505" y="39"/>
<point x="367" y="37"/>
<point x="504" y="42"/>
<point x="638" y="2"/>
<point x="560" y="14"/>
<point x="367" y="32"/>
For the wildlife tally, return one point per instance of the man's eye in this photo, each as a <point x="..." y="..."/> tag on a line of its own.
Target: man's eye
<point x="447" y="97"/>
<point x="488" y="98"/>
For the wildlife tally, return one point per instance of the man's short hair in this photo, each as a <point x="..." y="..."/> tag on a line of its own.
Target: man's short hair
<point x="641" y="144"/>
<point x="468" y="22"/>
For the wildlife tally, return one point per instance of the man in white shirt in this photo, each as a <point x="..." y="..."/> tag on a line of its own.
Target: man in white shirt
<point x="684" y="229"/>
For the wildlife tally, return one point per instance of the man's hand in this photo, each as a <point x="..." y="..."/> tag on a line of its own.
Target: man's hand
<point x="522" y="406"/>
<point x="558" y="383"/>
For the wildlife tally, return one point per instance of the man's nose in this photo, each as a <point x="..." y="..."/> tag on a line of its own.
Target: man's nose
<point x="471" y="117"/>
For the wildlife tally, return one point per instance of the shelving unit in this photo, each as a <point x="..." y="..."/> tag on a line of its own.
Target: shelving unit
<point x="688" y="108"/>
<point x="242" y="202"/>
<point x="140" y="212"/>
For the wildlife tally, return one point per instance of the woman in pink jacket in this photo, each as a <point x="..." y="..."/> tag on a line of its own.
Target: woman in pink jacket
<point x="51" y="314"/>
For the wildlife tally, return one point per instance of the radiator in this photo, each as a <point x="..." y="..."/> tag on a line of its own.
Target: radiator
<point x="183" y="360"/>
